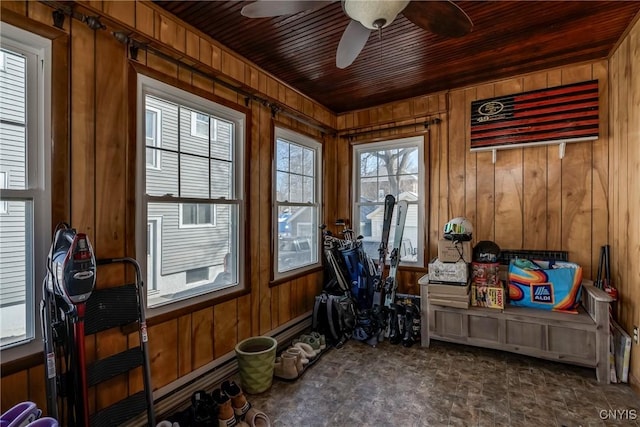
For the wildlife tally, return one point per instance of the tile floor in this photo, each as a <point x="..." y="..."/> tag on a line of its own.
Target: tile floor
<point x="445" y="385"/>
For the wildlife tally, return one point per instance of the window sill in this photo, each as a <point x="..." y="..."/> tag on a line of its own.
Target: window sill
<point x="22" y="363"/>
<point x="296" y="275"/>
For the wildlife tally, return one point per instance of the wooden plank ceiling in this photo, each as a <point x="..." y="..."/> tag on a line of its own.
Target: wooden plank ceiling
<point x="508" y="38"/>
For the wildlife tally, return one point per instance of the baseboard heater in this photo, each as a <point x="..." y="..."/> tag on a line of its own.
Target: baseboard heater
<point x="177" y="395"/>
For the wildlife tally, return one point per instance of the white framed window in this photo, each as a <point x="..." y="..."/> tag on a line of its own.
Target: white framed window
<point x="153" y="136"/>
<point x="297" y="202"/>
<point x="25" y="229"/>
<point x="390" y="167"/>
<point x="3" y="66"/>
<point x="197" y="215"/>
<point x="4" y="205"/>
<point x="200" y="126"/>
<point x="196" y="200"/>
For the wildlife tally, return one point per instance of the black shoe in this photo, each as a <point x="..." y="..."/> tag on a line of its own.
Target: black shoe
<point x="411" y="315"/>
<point x="203" y="410"/>
<point x="396" y="320"/>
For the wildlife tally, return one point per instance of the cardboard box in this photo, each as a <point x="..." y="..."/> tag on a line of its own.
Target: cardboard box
<point x="486" y="273"/>
<point x="487" y="296"/>
<point x="450" y="251"/>
<point x="448" y="272"/>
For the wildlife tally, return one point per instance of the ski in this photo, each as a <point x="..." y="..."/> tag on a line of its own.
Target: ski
<point x="389" y="203"/>
<point x="390" y="284"/>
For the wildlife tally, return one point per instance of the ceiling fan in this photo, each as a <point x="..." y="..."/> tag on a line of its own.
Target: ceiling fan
<point x="444" y="18"/>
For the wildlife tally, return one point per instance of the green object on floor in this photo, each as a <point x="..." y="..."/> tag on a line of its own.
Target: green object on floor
<point x="256" y="357"/>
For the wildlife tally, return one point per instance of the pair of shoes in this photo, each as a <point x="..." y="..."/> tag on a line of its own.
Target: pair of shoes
<point x="226" y="413"/>
<point x="242" y="409"/>
<point x="167" y="423"/>
<point x="293" y="361"/>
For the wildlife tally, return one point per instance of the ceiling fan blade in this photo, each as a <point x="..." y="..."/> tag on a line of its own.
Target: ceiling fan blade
<point x="269" y="8"/>
<point x="353" y="39"/>
<point x="444" y="18"/>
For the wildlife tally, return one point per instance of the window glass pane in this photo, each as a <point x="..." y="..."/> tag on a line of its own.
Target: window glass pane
<point x="383" y="162"/>
<point x="297" y="237"/>
<point x="368" y="164"/>
<point x="4" y="206"/>
<point x="16" y="281"/>
<point x="408" y="183"/>
<point x="282" y="186"/>
<point x="295" y="158"/>
<point x="282" y="155"/>
<point x="189" y="214"/>
<point x="13" y="121"/>
<point x="370" y="228"/>
<point x="369" y="189"/>
<point x="194" y="132"/>
<point x="410" y="160"/>
<point x="150" y="128"/>
<point x="308" y="189"/>
<point x="194" y="176"/>
<point x="164" y="180"/>
<point x="309" y="162"/>
<point x="221" y="179"/>
<point x="168" y="127"/>
<point x="207" y="247"/>
<point x="222" y="142"/>
<point x="409" y="248"/>
<point x="295" y="193"/>
<point x="205" y="214"/>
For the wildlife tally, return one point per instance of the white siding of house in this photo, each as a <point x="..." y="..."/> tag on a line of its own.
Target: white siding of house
<point x="186" y="248"/>
<point x="13" y="256"/>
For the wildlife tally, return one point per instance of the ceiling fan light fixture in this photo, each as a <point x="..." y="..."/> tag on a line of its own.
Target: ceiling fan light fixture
<point x="374" y="14"/>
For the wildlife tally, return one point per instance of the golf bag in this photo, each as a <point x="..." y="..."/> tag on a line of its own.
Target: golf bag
<point x="344" y="309"/>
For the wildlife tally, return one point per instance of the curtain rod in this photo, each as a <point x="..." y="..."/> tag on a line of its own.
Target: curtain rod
<point x="93" y="22"/>
<point x="426" y="124"/>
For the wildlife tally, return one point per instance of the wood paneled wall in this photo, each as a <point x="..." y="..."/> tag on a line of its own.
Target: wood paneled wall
<point x="530" y="198"/>
<point x="102" y="193"/>
<point x="624" y="184"/>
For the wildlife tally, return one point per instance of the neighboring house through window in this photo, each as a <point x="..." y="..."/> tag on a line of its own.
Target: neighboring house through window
<point x="25" y="199"/>
<point x="191" y="194"/>
<point x="297" y="202"/>
<point x="390" y="167"/>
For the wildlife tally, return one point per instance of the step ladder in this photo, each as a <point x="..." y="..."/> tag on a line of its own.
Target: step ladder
<point x="118" y="307"/>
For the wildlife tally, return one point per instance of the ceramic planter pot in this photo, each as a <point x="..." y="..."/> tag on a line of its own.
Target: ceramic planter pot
<point x="256" y="357"/>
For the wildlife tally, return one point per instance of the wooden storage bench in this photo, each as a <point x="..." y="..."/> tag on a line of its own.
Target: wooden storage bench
<point x="579" y="339"/>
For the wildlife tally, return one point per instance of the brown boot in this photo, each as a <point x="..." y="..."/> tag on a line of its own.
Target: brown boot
<point x="238" y="400"/>
<point x="226" y="416"/>
<point x="242" y="408"/>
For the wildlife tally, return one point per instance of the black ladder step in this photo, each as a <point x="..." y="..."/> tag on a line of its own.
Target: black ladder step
<point x="111" y="307"/>
<point x="120" y="412"/>
<point x="112" y="366"/>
